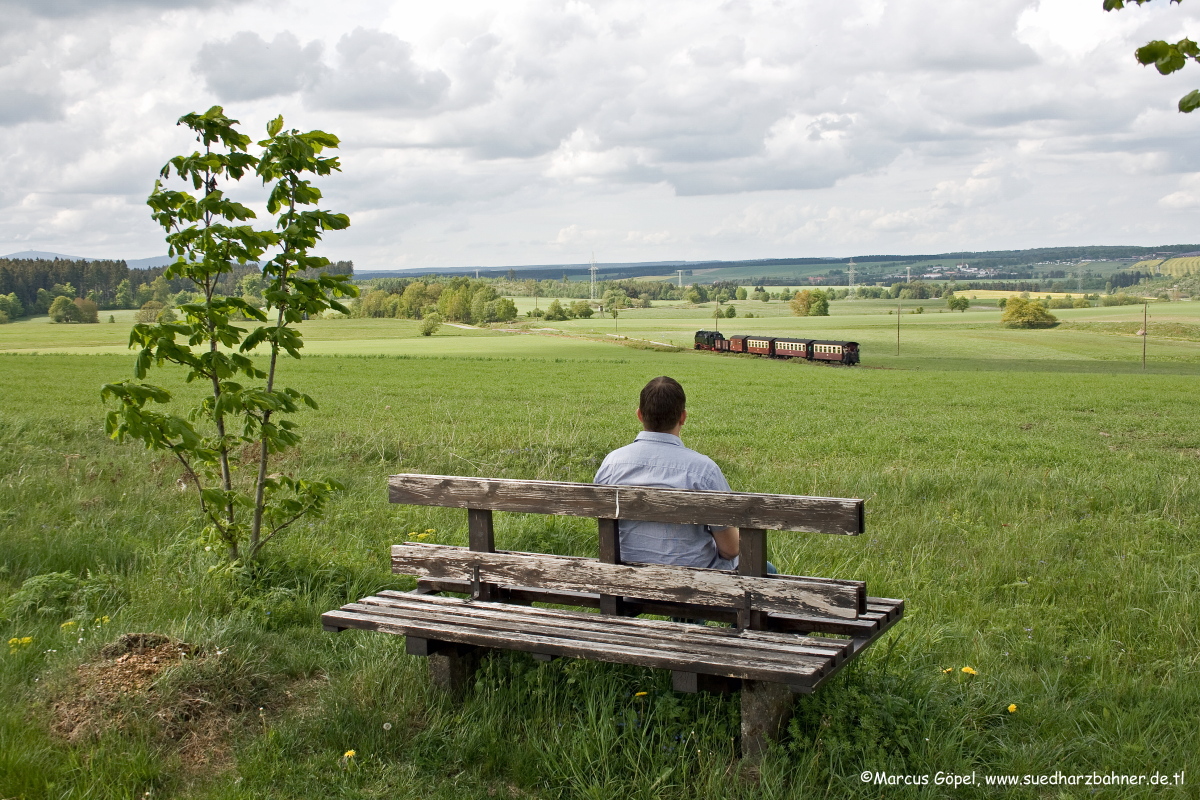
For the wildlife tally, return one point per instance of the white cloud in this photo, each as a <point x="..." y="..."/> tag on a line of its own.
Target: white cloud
<point x="991" y="182"/>
<point x="376" y="72"/>
<point x="1188" y="195"/>
<point x="246" y="67"/>
<point x="533" y="131"/>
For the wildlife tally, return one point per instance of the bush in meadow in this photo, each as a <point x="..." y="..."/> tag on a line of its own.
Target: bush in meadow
<point x="1022" y="313"/>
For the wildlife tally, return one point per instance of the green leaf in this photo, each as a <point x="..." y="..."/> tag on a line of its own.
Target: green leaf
<point x="1152" y="52"/>
<point x="275" y="126"/>
<point x="1190" y="101"/>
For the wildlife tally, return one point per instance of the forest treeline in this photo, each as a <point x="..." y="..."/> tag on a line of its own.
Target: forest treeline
<point x="478" y="301"/>
<point x="30" y="286"/>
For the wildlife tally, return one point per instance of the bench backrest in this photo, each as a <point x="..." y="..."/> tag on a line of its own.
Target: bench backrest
<point x="706" y="587"/>
<point x="777" y="512"/>
<point x="753" y="514"/>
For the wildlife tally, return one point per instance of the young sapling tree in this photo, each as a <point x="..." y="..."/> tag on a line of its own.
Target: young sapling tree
<point x="225" y="442"/>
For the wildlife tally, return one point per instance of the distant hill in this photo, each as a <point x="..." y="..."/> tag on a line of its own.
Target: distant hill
<point x="147" y="263"/>
<point x="44" y="256"/>
<point x="626" y="269"/>
<point x="132" y="263"/>
<point x="869" y="267"/>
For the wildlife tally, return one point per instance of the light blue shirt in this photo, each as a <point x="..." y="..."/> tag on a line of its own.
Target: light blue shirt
<point x="661" y="460"/>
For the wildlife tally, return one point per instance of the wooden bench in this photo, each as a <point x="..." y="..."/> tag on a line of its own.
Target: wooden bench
<point x="786" y="633"/>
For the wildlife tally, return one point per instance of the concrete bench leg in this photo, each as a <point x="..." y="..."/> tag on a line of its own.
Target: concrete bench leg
<point x="766" y="708"/>
<point x="453" y="669"/>
<point x="451" y="666"/>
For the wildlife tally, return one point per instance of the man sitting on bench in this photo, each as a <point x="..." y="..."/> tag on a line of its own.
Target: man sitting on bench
<point x="658" y="458"/>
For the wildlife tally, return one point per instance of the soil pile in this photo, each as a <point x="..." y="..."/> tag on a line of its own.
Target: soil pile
<point x="108" y="692"/>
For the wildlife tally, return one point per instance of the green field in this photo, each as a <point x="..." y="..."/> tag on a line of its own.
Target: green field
<point x="1031" y="494"/>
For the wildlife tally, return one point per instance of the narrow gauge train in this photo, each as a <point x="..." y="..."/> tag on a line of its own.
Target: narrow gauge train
<point x="778" y="347"/>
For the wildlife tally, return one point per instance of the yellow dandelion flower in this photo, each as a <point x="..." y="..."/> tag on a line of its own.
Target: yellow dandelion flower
<point x="640" y="694"/>
<point x="1012" y="708"/>
<point x="13" y="642"/>
<point x="68" y="624"/>
<point x="969" y="671"/>
<point x="349" y="754"/>
<point x="947" y="670"/>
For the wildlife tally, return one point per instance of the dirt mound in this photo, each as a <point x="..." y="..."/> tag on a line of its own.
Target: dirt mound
<point x="106" y="692"/>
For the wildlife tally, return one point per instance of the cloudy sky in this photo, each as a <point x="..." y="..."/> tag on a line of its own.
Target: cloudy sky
<point x="539" y="131"/>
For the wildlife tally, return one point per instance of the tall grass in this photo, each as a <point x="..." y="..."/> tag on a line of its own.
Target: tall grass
<point x="1039" y="524"/>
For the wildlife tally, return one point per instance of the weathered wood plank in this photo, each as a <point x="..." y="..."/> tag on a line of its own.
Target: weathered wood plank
<point x="775" y="622"/>
<point x="572" y="623"/>
<point x="610" y="553"/>
<point x="752" y="552"/>
<point x="737" y="509"/>
<point x="856" y="585"/>
<point x="752" y="562"/>
<point x="680" y="652"/>
<point x="480" y="532"/>
<point x="366" y="619"/>
<point x="482" y="537"/>
<point x="799" y="669"/>
<point x="669" y="634"/>
<point x="671" y="583"/>
<point x="858" y="644"/>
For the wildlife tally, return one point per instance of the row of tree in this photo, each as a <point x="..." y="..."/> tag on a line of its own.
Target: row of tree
<point x="810" y="303"/>
<point x="95" y="280"/>
<point x="11" y="307"/>
<point x="77" y="310"/>
<point x="459" y="300"/>
<point x="37" y="283"/>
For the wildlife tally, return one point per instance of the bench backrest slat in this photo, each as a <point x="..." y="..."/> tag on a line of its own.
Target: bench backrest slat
<point x="653" y="582"/>
<point x="737" y="509"/>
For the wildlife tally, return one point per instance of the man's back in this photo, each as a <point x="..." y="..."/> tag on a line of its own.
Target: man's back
<point x="661" y="460"/>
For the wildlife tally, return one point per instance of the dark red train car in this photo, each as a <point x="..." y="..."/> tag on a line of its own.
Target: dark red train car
<point x="841" y="352"/>
<point x="825" y="350"/>
<point x="761" y="345"/>
<point x="793" y="348"/>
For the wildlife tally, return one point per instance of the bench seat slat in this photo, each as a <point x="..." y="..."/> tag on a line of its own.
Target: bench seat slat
<point x="784" y="622"/>
<point x="769" y="645"/>
<point x="740" y="509"/>
<point x="569" y="648"/>
<point x="679" y="652"/>
<point x="670" y="583"/>
<point x="661" y="651"/>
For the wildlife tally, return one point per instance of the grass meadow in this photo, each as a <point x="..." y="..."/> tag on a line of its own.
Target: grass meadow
<point x="1031" y="494"/>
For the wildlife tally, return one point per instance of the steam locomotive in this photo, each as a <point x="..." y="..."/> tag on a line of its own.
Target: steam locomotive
<point x="778" y="347"/>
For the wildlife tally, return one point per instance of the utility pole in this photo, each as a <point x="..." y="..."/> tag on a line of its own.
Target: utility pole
<point x="1145" y="323"/>
<point x="593" y="271"/>
<point x="897" y="329"/>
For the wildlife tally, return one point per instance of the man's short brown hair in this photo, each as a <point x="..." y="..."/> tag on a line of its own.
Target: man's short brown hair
<point x="662" y="403"/>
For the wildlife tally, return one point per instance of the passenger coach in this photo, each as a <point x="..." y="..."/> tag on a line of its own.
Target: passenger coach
<point x="779" y="347"/>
